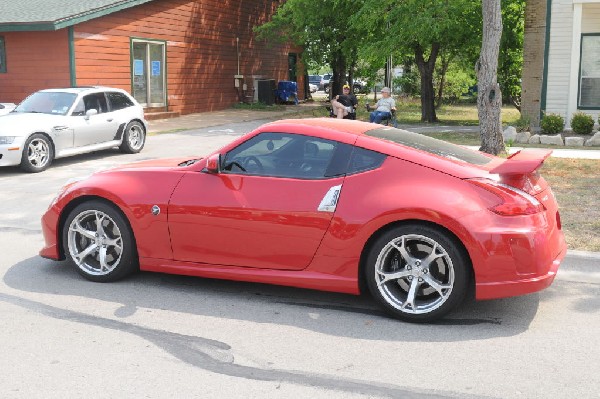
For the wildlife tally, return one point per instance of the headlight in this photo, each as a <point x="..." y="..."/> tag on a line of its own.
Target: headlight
<point x="7" y="139"/>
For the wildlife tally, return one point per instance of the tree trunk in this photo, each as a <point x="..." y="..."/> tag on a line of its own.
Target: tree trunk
<point x="534" y="40"/>
<point x="489" y="96"/>
<point x="339" y="75"/>
<point x="426" y="69"/>
<point x="444" y="69"/>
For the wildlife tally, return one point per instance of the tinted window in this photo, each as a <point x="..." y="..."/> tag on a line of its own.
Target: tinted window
<point x="282" y="155"/>
<point x="363" y="160"/>
<point x="429" y="144"/>
<point x="118" y="101"/>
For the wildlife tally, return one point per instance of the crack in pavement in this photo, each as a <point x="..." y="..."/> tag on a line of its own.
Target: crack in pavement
<point x="217" y="357"/>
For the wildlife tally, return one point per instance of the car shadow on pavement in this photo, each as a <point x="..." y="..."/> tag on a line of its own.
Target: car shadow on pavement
<point x="323" y="312"/>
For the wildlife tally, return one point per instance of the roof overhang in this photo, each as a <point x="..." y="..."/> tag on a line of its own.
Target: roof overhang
<point x="71" y="19"/>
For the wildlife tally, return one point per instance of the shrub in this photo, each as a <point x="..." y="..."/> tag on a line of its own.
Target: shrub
<point x="552" y="124"/>
<point x="523" y="124"/>
<point x="582" y="123"/>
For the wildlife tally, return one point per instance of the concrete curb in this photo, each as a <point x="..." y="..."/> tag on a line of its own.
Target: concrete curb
<point x="583" y="254"/>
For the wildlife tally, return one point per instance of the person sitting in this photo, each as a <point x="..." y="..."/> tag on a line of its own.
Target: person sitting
<point x="344" y="104"/>
<point x="383" y="108"/>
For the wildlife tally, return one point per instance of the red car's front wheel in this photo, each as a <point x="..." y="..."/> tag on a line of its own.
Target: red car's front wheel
<point x="99" y="242"/>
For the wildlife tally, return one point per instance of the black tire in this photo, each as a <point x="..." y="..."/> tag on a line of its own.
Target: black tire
<point x="134" y="138"/>
<point x="99" y="243"/>
<point x="38" y="153"/>
<point x="407" y="283"/>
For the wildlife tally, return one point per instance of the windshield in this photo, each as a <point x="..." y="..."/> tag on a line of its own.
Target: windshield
<point x="44" y="102"/>
<point x="430" y="145"/>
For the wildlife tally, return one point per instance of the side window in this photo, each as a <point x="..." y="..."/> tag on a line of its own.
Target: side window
<point x="2" y="56"/>
<point x="363" y="160"/>
<point x="282" y="155"/>
<point x="95" y="101"/>
<point x="118" y="101"/>
<point x="79" y="109"/>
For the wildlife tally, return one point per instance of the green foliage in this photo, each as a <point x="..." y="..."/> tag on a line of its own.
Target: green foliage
<point x="258" y="106"/>
<point x="523" y="124"/>
<point x="303" y="21"/>
<point x="510" y="59"/>
<point x="552" y="124"/>
<point x="582" y="123"/>
<point x="408" y="83"/>
<point x="456" y="83"/>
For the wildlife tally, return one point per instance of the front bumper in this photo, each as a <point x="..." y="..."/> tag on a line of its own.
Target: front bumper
<point x="10" y="154"/>
<point x="51" y="249"/>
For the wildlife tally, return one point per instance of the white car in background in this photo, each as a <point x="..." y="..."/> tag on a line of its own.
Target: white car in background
<point x="5" y="108"/>
<point x="57" y="123"/>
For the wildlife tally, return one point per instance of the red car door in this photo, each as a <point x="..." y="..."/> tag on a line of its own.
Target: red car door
<point x="248" y="220"/>
<point x="264" y="219"/>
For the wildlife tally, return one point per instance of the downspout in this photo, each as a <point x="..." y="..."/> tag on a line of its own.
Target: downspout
<point x="72" y="56"/>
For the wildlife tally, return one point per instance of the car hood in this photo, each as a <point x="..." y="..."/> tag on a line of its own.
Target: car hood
<point x="163" y="163"/>
<point x="21" y="124"/>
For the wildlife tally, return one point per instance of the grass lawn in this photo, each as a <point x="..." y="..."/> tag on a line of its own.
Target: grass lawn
<point x="409" y="112"/>
<point x="575" y="182"/>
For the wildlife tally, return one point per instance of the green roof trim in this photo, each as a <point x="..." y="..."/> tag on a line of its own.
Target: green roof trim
<point x="47" y="15"/>
<point x="72" y="69"/>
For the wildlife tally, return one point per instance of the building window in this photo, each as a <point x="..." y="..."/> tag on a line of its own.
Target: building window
<point x="589" y="76"/>
<point x="148" y="72"/>
<point x="2" y="56"/>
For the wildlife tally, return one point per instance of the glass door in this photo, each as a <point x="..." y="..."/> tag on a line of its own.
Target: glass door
<point x="148" y="72"/>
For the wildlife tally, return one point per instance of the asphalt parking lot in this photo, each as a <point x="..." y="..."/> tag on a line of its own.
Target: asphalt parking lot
<point x="156" y="336"/>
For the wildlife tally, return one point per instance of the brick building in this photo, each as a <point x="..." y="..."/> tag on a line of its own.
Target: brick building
<point x="180" y="56"/>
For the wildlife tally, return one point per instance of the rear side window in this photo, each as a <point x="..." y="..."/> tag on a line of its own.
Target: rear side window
<point x="430" y="145"/>
<point x="118" y="101"/>
<point x="363" y="160"/>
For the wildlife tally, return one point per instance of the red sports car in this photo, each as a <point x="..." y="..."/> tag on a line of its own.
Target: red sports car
<point x="326" y="204"/>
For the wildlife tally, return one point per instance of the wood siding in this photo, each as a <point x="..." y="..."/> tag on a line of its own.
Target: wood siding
<point x="34" y="61"/>
<point x="200" y="41"/>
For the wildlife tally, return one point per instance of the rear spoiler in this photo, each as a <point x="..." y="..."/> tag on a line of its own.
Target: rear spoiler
<point x="522" y="162"/>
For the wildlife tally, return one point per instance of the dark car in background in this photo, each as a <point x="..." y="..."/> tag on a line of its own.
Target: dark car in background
<point x="359" y="86"/>
<point x="315" y="80"/>
<point x="324" y="83"/>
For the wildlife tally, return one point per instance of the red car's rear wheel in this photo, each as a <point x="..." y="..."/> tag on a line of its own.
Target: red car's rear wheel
<point x="417" y="273"/>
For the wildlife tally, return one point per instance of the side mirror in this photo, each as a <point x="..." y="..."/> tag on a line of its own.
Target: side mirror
<point x="213" y="164"/>
<point x="90" y="112"/>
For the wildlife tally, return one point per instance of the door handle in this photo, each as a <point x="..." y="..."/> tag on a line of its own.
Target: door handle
<point x="330" y="200"/>
<point x="109" y="120"/>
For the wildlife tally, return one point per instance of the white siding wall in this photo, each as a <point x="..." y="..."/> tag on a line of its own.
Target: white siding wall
<point x="559" y="57"/>
<point x="559" y="60"/>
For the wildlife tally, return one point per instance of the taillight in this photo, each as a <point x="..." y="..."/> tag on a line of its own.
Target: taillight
<point x="511" y="200"/>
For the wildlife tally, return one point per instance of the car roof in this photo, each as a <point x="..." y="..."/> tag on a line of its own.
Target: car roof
<point x="81" y="89"/>
<point x="341" y="125"/>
